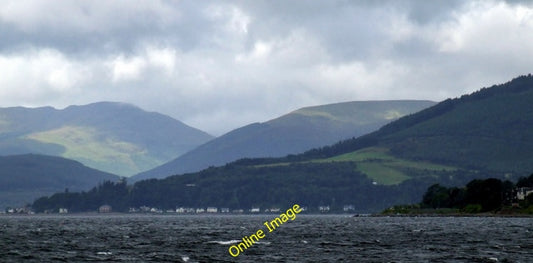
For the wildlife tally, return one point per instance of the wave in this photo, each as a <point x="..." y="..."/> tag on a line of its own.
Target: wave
<point x="226" y="242"/>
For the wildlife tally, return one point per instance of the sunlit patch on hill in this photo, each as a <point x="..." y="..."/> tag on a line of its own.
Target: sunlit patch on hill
<point x="87" y="145"/>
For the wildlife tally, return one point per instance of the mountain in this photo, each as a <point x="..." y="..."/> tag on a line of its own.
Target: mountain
<point x="23" y="178"/>
<point x="114" y="137"/>
<point x="292" y="133"/>
<point x="489" y="130"/>
<point x="486" y="134"/>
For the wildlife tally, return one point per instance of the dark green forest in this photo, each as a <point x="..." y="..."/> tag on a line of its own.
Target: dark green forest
<point x="240" y="187"/>
<point x="115" y="194"/>
<point x="478" y="196"/>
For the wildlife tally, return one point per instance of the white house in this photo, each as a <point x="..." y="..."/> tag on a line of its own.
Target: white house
<point x="348" y="208"/>
<point x="523" y="192"/>
<point x="323" y="208"/>
<point x="105" y="209"/>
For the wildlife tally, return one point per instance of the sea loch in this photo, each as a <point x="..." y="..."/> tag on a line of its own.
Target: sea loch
<point x="247" y="242"/>
<point x="310" y="238"/>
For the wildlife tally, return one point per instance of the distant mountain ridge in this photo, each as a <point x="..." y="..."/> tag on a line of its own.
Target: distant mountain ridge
<point x="115" y="137"/>
<point x="292" y="133"/>
<point x="25" y="177"/>
<point x="486" y="134"/>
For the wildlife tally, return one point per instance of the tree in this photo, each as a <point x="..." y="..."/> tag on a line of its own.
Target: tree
<point x="525" y="181"/>
<point x="436" y="196"/>
<point x="487" y="193"/>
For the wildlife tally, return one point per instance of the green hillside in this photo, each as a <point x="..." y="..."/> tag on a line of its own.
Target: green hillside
<point x="487" y="134"/>
<point x="292" y="133"/>
<point x="114" y="137"/>
<point x="379" y="165"/>
<point x="481" y="135"/>
<point x="23" y="178"/>
<point x="95" y="149"/>
<point x="384" y="168"/>
<point x="488" y="130"/>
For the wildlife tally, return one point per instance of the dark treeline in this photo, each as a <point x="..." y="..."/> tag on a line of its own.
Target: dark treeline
<point x="478" y="195"/>
<point x="238" y="186"/>
<point x="115" y="194"/>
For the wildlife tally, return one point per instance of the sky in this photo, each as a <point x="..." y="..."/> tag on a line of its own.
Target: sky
<point x="219" y="65"/>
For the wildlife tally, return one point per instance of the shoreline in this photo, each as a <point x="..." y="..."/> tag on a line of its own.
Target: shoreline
<point x="95" y="214"/>
<point x="456" y="215"/>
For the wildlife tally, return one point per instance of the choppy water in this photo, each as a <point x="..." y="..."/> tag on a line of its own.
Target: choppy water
<point x="139" y="238"/>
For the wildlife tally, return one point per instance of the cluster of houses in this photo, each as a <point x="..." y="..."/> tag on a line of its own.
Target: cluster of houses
<point x="225" y="210"/>
<point x="20" y="210"/>
<point x="182" y="210"/>
<point x="201" y="210"/>
<point x="520" y="195"/>
<point x="345" y="208"/>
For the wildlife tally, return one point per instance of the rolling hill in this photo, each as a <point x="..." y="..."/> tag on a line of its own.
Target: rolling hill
<point x="486" y="134"/>
<point x="490" y="130"/>
<point x="114" y="137"/>
<point x="292" y="133"/>
<point x="23" y="178"/>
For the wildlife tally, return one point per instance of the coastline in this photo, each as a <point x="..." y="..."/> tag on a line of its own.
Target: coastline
<point x="449" y="212"/>
<point x="455" y="215"/>
<point x="363" y="215"/>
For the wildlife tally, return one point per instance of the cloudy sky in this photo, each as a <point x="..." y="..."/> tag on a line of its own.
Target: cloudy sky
<point x="218" y="65"/>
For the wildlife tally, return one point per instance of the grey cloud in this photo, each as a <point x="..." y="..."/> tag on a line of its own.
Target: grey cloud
<point x="350" y="30"/>
<point x="98" y="29"/>
<point x="424" y="12"/>
<point x="218" y="65"/>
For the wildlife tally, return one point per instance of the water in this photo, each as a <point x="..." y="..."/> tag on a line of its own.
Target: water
<point x="145" y="238"/>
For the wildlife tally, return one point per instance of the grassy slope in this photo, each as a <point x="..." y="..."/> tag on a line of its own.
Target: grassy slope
<point x="89" y="146"/>
<point x="380" y="166"/>
<point x="357" y="114"/>
<point x="114" y="137"/>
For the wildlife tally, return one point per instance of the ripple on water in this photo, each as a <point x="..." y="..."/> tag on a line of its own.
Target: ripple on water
<point x="306" y="239"/>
